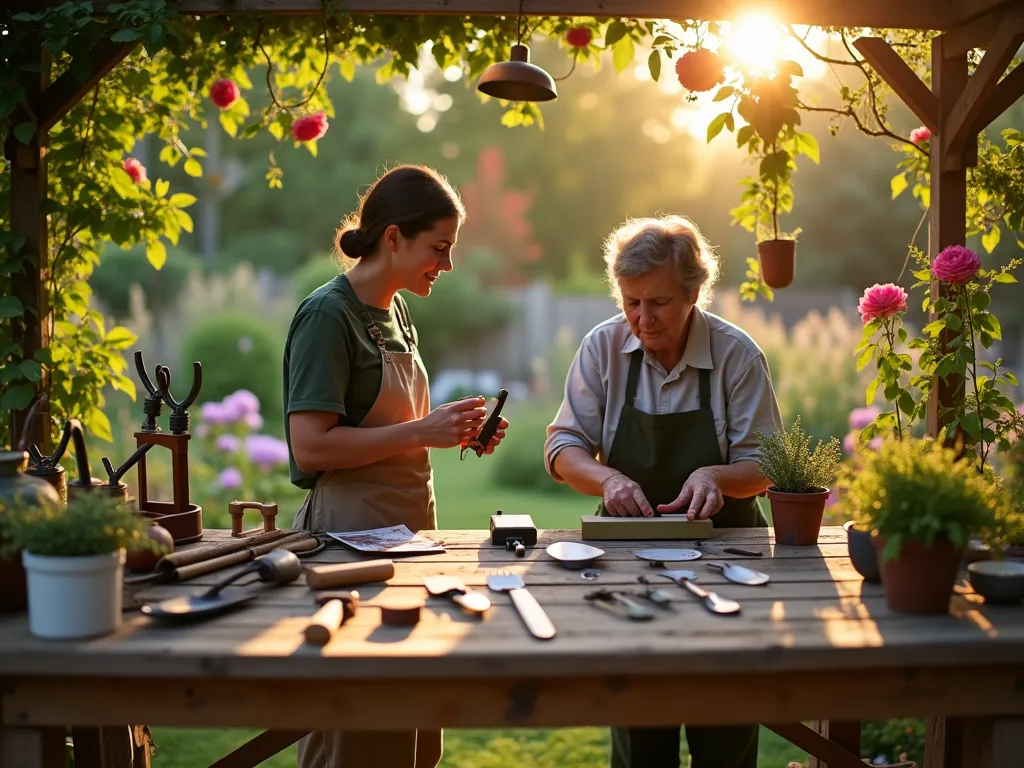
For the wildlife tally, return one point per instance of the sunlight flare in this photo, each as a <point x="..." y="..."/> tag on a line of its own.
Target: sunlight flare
<point x="754" y="43"/>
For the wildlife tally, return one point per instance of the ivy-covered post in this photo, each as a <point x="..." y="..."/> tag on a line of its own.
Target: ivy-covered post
<point x="27" y="156"/>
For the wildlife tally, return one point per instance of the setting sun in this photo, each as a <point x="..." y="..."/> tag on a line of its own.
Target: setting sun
<point x="753" y="43"/>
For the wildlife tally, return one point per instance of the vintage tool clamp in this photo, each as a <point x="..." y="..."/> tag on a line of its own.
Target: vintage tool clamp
<point x="479" y="443"/>
<point x="514" y="532"/>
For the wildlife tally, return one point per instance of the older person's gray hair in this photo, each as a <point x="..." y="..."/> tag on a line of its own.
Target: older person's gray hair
<point x="639" y="246"/>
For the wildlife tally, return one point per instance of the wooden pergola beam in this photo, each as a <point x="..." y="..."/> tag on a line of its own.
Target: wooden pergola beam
<point x="905" y="14"/>
<point x="968" y="10"/>
<point x="962" y="123"/>
<point x="1006" y="94"/>
<point x="901" y="78"/>
<point x="67" y="90"/>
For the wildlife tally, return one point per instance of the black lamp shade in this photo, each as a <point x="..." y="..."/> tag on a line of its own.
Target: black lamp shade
<point x="517" y="79"/>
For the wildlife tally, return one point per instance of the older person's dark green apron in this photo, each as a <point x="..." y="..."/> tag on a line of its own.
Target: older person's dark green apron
<point x="659" y="452"/>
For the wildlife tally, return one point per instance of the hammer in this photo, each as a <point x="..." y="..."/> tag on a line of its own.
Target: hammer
<point x="335" y="609"/>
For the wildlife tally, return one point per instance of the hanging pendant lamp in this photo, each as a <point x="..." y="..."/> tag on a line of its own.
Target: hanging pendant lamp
<point x="517" y="79"/>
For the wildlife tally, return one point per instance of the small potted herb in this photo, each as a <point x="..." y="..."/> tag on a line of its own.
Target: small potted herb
<point x="74" y="563"/>
<point x="923" y="505"/>
<point x="801" y="481"/>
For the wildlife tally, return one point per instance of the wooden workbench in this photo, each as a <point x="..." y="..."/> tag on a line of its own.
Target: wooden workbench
<point x="814" y="643"/>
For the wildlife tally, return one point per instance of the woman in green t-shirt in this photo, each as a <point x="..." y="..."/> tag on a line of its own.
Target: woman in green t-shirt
<point x="357" y="403"/>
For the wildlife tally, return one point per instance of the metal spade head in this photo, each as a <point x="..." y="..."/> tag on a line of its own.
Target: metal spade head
<point x="573" y="554"/>
<point x="739" y="574"/>
<point x="195" y="606"/>
<point x="668" y="555"/>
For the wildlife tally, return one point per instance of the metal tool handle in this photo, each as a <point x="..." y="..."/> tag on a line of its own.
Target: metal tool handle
<point x="533" y="615"/>
<point x="694" y="588"/>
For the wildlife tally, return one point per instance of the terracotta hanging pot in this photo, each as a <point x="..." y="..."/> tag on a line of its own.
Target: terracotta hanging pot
<point x="796" y="517"/>
<point x="920" y="580"/>
<point x="778" y="261"/>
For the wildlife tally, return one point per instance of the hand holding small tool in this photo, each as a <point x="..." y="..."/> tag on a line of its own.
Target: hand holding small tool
<point x="492" y="433"/>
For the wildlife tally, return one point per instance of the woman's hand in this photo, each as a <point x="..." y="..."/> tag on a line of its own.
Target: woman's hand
<point x="499" y="435"/>
<point x="623" y="497"/>
<point x="701" y="496"/>
<point x="452" y="424"/>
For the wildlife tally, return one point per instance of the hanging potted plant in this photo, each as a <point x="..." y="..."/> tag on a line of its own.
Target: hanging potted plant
<point x="801" y="481"/>
<point x="74" y="562"/>
<point x="776" y="250"/>
<point x="922" y="505"/>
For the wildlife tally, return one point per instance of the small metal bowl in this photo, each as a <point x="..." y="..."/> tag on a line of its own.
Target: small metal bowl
<point x="573" y="555"/>
<point x="1000" y="582"/>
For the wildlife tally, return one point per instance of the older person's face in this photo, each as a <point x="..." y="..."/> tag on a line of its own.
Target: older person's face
<point x="657" y="308"/>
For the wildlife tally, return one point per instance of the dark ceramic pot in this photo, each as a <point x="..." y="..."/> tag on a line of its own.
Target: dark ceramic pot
<point x="862" y="552"/>
<point x="18" y="490"/>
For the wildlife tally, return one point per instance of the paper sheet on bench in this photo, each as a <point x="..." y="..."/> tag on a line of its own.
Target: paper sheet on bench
<point x="395" y="539"/>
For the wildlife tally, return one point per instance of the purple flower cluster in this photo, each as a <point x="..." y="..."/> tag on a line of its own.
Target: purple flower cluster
<point x="860" y="418"/>
<point x="239" y="407"/>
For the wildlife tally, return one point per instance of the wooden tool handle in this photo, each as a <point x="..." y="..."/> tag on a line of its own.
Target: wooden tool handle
<point x="236" y="509"/>
<point x="533" y="615"/>
<point x="348" y="574"/>
<point x="325" y="623"/>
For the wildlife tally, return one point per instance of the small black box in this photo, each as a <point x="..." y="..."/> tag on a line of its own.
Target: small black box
<point x="518" y="527"/>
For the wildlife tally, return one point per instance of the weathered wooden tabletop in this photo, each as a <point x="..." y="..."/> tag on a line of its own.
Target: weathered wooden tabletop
<point x="815" y="642"/>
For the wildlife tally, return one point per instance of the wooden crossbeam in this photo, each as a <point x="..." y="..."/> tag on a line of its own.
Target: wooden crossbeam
<point x="1006" y="94"/>
<point x="968" y="10"/>
<point x="971" y="35"/>
<point x="67" y="90"/>
<point x="906" y="14"/>
<point x="258" y="749"/>
<point x="833" y="755"/>
<point x="960" y="126"/>
<point x="901" y="78"/>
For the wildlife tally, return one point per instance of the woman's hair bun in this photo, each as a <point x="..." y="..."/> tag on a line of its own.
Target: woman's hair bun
<point x="353" y="244"/>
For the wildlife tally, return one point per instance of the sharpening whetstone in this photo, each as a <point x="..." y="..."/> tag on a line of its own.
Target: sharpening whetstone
<point x="599" y="528"/>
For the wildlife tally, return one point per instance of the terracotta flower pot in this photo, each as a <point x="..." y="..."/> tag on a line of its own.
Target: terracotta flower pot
<point x="920" y="579"/>
<point x="796" y="517"/>
<point x="778" y="260"/>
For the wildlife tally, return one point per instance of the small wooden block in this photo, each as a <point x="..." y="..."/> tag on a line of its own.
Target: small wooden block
<point x="599" y="528"/>
<point x="400" y="614"/>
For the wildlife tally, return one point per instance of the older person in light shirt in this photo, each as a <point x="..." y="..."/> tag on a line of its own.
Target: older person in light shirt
<point x="661" y="410"/>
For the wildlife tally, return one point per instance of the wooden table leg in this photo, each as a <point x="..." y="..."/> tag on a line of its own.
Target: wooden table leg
<point x="33" y="748"/>
<point x="111" y="746"/>
<point x="943" y="742"/>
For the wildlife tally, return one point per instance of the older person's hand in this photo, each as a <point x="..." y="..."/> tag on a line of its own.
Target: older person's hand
<point x="624" y="498"/>
<point x="700" y="496"/>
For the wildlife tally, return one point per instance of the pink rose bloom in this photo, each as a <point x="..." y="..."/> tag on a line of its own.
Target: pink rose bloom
<point x="921" y="134"/>
<point x="135" y="169"/>
<point x="230" y="478"/>
<point x="956" y="264"/>
<point x="861" y="417"/>
<point x="881" y="302"/>
<point x="310" y="127"/>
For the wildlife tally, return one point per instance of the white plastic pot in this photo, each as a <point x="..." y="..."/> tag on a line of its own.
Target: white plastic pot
<point x="74" y="597"/>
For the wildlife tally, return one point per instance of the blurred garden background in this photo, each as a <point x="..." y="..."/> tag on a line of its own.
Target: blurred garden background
<point x="527" y="285"/>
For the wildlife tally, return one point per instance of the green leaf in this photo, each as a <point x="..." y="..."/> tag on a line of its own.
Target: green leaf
<point x="807" y="144"/>
<point x="991" y="324"/>
<point x="865" y="357"/>
<point x="971" y="425"/>
<point x="17" y="397"/>
<point x="11" y="306"/>
<point x="24" y="132"/>
<point x="869" y="393"/>
<point x="622" y="53"/>
<point x="724" y="93"/>
<point x="953" y="322"/>
<point x="31" y="370"/>
<point x="980" y="301"/>
<point x="1004" y="277"/>
<point x="98" y="423"/>
<point x="162" y="187"/>
<point x="124" y="36"/>
<point x="44" y="355"/>
<point x="906" y="403"/>
<point x="899" y="183"/>
<point x="616" y="31"/>
<point x="119" y="337"/>
<point x="182" y="200"/>
<point x="991" y="239"/>
<point x="716" y="125"/>
<point x="654" y="64"/>
<point x="156" y="253"/>
<point x="229" y="124"/>
<point x="193" y="168"/>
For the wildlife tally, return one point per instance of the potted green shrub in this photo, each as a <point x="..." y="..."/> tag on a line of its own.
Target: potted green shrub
<point x="923" y="505"/>
<point x="74" y="563"/>
<point x="801" y="481"/>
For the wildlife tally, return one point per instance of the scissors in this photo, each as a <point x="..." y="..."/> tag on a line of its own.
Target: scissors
<point x="479" y="443"/>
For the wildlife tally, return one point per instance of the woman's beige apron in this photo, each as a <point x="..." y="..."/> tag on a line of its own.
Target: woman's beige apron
<point x="394" y="491"/>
